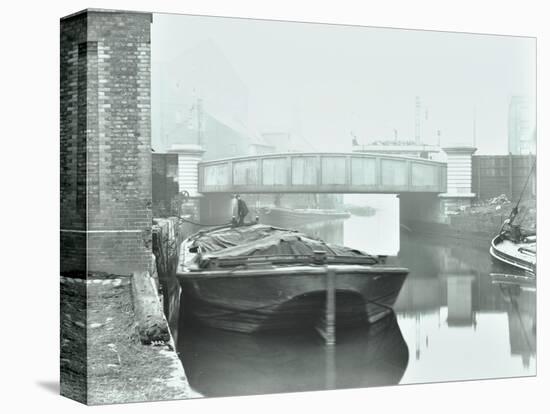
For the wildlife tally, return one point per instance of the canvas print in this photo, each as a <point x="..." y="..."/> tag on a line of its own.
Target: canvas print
<point x="255" y="207"/>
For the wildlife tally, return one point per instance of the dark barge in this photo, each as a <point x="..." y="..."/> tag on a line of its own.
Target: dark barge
<point x="263" y="278"/>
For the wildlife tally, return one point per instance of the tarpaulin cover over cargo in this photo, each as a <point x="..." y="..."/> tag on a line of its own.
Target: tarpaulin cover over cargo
<point x="261" y="240"/>
<point x="263" y="278"/>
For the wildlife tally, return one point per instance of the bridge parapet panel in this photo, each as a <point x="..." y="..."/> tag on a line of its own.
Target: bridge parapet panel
<point x="304" y="170"/>
<point x="395" y="174"/>
<point x="334" y="170"/>
<point x="322" y="173"/>
<point x="245" y="173"/>
<point x="424" y="176"/>
<point x="364" y="172"/>
<point x="274" y="172"/>
<point x="217" y="175"/>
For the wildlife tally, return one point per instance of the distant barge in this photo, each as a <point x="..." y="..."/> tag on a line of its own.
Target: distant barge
<point x="263" y="278"/>
<point x="291" y="217"/>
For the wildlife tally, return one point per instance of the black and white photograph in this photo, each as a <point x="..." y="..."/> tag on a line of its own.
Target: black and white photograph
<point x="266" y="207"/>
<point x="254" y="205"/>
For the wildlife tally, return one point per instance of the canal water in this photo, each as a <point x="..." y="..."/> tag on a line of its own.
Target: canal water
<point x="454" y="320"/>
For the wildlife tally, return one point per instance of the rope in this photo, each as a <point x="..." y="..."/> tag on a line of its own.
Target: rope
<point x="523" y="190"/>
<point x="204" y="224"/>
<point x="525" y="184"/>
<point x="380" y="304"/>
<point x="514" y="211"/>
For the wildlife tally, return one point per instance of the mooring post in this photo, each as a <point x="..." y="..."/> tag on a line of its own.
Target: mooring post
<point x="330" y="319"/>
<point x="330" y="367"/>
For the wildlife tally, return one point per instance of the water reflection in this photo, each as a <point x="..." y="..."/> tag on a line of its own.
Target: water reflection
<point x="457" y="321"/>
<point x="521" y="320"/>
<point x="459" y="300"/>
<point x="378" y="234"/>
<point x="220" y="363"/>
<point x="453" y="318"/>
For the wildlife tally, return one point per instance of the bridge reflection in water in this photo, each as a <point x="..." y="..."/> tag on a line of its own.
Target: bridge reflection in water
<point x="460" y="324"/>
<point x="458" y="321"/>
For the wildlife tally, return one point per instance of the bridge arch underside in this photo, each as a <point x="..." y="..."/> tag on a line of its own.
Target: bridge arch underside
<point x="414" y="208"/>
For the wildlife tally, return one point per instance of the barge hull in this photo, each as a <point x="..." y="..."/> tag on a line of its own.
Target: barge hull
<point x="259" y="301"/>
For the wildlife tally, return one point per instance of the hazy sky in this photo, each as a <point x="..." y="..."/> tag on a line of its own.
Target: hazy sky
<point x="334" y="80"/>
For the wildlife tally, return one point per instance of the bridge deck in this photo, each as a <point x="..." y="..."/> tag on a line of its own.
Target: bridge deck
<point x="322" y="173"/>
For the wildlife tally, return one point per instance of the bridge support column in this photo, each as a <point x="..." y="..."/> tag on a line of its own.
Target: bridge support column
<point x="419" y="207"/>
<point x="189" y="156"/>
<point x="459" y="179"/>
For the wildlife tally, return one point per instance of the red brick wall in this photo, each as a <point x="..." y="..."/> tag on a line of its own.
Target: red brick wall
<point x="105" y="142"/>
<point x="73" y="73"/>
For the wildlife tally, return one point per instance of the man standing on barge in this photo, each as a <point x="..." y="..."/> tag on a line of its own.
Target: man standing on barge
<point x="239" y="210"/>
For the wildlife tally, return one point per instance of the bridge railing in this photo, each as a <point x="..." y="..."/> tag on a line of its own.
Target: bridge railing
<point x="322" y="172"/>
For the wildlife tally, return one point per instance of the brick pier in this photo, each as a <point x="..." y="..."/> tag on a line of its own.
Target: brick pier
<point x="105" y="142"/>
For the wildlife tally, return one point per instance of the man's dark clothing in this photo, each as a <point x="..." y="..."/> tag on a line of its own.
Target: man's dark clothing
<point x="243" y="211"/>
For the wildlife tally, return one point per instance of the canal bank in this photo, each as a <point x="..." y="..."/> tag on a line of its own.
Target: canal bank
<point x="101" y="351"/>
<point x="119" y="332"/>
<point x="477" y="224"/>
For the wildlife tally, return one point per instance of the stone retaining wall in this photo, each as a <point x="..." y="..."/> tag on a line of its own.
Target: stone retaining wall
<point x="469" y="234"/>
<point x="482" y="223"/>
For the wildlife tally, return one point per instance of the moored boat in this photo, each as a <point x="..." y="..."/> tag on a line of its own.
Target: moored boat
<point x="520" y="254"/>
<point x="513" y="245"/>
<point x="263" y="278"/>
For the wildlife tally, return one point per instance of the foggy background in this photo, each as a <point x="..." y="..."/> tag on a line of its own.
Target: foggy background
<point x="319" y="86"/>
